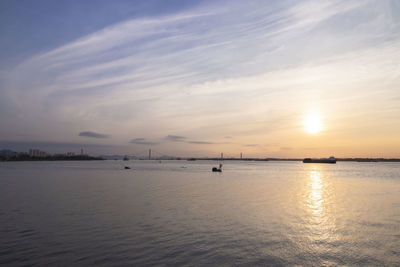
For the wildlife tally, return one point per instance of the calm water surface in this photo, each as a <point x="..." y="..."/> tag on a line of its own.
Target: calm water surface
<point x="180" y="213"/>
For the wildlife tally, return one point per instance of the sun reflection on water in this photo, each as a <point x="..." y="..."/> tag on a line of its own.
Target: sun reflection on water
<point x="315" y="199"/>
<point x="319" y="207"/>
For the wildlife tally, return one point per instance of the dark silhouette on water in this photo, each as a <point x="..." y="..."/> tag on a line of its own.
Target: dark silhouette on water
<point x="331" y="160"/>
<point x="127" y="168"/>
<point x="215" y="169"/>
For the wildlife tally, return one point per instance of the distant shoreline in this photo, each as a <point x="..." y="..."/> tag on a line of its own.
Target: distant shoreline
<point x="261" y="159"/>
<point x="50" y="158"/>
<point x="298" y="159"/>
<point x="25" y="157"/>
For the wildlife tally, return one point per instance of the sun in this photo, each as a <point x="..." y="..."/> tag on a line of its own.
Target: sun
<point x="313" y="123"/>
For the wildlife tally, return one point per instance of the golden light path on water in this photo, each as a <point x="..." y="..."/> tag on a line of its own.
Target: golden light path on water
<point x="315" y="197"/>
<point x="317" y="209"/>
<point x="319" y="205"/>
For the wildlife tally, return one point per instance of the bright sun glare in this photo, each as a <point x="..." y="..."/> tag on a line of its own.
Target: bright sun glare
<point x="313" y="123"/>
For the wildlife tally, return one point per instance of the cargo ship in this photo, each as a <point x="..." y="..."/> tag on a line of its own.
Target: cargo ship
<point x="331" y="160"/>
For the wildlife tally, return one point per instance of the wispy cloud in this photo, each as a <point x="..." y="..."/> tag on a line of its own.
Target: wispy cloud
<point x="142" y="141"/>
<point x="251" y="145"/>
<point x="200" y="142"/>
<point x="103" y="65"/>
<point x="93" y="135"/>
<point x="175" y="138"/>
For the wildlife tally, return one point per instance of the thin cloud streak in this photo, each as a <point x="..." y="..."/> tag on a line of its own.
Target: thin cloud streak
<point x="93" y="135"/>
<point x="200" y="143"/>
<point x="136" y="68"/>
<point x="142" y="141"/>
<point x="175" y="138"/>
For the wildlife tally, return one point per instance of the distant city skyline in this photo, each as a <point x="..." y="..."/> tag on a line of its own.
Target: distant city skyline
<point x="287" y="79"/>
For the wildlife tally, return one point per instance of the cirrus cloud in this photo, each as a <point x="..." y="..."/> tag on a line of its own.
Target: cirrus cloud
<point x="142" y="141"/>
<point x="175" y="138"/>
<point x="93" y="135"/>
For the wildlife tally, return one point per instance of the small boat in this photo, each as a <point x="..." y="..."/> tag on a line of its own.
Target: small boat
<point x="127" y="168"/>
<point x="215" y="169"/>
<point x="330" y="160"/>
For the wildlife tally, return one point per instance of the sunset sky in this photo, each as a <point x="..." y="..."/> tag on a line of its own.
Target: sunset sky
<point x="196" y="78"/>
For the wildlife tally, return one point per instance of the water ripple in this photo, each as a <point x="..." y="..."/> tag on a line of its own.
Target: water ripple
<point x="252" y="214"/>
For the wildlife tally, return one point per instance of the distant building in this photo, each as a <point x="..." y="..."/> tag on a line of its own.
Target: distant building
<point x="70" y="154"/>
<point x="37" y="153"/>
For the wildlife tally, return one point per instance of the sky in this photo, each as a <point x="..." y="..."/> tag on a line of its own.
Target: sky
<point x="197" y="78"/>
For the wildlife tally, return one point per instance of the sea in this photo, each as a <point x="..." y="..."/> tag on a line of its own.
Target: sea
<point x="179" y="213"/>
